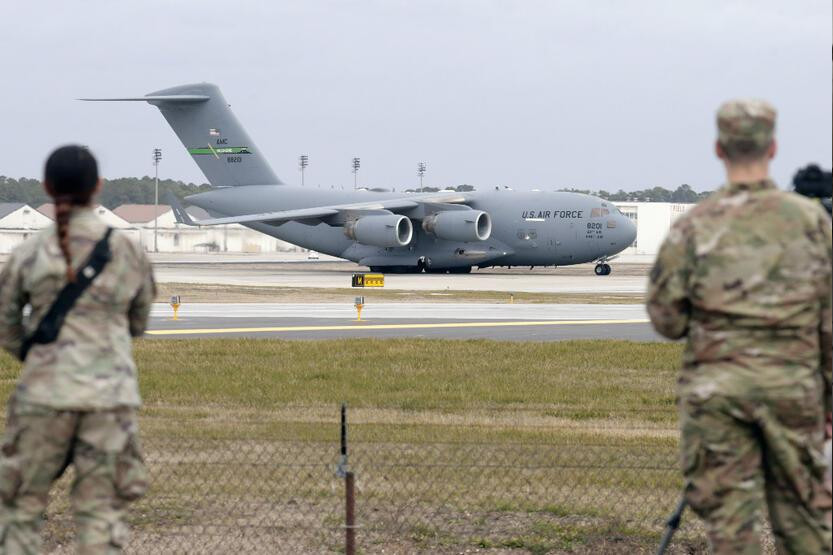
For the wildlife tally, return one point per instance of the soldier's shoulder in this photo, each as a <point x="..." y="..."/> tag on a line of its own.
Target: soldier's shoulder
<point x="793" y="207"/>
<point x="808" y="206"/>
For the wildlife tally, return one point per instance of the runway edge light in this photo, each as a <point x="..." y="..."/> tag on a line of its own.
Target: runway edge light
<point x="359" y="304"/>
<point x="175" y="302"/>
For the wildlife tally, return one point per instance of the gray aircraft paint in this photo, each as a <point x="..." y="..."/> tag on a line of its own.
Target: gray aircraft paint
<point x="528" y="228"/>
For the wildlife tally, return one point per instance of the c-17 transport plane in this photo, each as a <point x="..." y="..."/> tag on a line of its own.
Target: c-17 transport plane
<point x="389" y="232"/>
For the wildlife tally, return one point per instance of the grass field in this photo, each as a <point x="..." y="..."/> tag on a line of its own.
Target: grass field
<point x="204" y="293"/>
<point x="457" y="445"/>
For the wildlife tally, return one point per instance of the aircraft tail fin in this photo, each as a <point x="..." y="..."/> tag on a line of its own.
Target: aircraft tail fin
<point x="180" y="214"/>
<point x="204" y="122"/>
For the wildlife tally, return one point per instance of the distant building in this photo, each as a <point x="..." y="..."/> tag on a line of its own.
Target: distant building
<point x="653" y="220"/>
<point x="17" y="222"/>
<point x="175" y="237"/>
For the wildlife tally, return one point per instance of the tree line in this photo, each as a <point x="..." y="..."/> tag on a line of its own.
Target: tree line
<point x="139" y="190"/>
<point x="682" y="194"/>
<point x="114" y="192"/>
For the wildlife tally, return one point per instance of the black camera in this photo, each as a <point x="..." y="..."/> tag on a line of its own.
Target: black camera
<point x="814" y="182"/>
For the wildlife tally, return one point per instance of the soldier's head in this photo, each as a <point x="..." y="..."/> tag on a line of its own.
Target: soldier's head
<point x="71" y="179"/>
<point x="745" y="132"/>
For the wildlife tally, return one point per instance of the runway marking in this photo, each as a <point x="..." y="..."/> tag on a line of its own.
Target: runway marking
<point x="415" y="326"/>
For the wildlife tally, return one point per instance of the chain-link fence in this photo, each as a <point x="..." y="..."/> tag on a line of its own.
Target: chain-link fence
<point x="578" y="494"/>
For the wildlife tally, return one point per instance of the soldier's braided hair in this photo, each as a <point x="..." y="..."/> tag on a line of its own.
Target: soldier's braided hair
<point x="70" y="177"/>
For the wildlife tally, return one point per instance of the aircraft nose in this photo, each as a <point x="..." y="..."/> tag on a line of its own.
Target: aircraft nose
<point x="629" y="230"/>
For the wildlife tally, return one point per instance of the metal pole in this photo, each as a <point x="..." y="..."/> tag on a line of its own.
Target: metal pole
<point x="350" y="513"/>
<point x="671" y="526"/>
<point x="356" y="166"/>
<point x="157" y="155"/>
<point x="349" y="490"/>
<point x="344" y="431"/>
<point x="156" y="207"/>
<point x="303" y="161"/>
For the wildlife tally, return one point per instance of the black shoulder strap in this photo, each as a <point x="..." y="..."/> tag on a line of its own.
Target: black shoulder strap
<point x="50" y="325"/>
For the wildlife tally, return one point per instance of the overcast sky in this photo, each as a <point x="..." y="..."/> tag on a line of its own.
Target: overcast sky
<point x="526" y="93"/>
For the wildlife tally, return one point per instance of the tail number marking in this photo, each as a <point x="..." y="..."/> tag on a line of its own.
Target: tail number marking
<point x="234" y="159"/>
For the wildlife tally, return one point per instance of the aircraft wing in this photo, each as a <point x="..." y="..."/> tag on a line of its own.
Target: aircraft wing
<point x="335" y="212"/>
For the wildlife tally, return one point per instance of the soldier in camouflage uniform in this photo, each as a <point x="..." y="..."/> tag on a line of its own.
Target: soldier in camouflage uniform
<point x="76" y="398"/>
<point x="745" y="276"/>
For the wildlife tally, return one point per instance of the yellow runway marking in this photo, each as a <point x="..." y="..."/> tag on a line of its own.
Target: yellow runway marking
<point x="438" y="325"/>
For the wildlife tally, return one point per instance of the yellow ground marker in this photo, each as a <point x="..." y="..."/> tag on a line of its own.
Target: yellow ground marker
<point x="417" y="326"/>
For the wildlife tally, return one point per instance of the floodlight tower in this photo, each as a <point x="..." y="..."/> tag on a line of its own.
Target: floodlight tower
<point x="303" y="162"/>
<point x="157" y="156"/>
<point x="356" y="165"/>
<point x="421" y="173"/>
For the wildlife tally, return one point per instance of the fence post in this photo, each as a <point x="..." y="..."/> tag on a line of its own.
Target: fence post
<point x="349" y="490"/>
<point x="350" y="528"/>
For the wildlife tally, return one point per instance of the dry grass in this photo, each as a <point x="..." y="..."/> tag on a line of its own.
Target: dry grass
<point x="457" y="445"/>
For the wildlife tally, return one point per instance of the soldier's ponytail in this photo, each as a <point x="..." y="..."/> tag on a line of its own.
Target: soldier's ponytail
<point x="70" y="178"/>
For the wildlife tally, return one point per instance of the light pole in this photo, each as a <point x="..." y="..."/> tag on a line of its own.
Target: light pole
<point x="303" y="162"/>
<point x="356" y="165"/>
<point x="157" y="156"/>
<point x="420" y="172"/>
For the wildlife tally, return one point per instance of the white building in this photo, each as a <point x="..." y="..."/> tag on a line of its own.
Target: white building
<point x="172" y="236"/>
<point x="109" y="217"/>
<point x="17" y="222"/>
<point x="653" y="220"/>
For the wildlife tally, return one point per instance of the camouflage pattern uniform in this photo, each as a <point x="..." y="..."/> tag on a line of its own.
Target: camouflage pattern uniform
<point x="76" y="398"/>
<point x="745" y="276"/>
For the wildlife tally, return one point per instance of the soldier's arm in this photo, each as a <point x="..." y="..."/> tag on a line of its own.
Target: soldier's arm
<point x="826" y="323"/>
<point x="667" y="301"/>
<point x="137" y="316"/>
<point x="12" y="301"/>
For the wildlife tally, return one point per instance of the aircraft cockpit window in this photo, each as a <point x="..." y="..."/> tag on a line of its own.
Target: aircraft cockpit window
<point x="599" y="212"/>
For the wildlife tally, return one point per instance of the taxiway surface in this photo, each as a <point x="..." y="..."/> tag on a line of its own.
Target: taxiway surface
<point x="626" y="278"/>
<point x="514" y="322"/>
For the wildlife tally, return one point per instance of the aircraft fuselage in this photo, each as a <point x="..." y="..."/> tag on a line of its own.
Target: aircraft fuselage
<point x="529" y="228"/>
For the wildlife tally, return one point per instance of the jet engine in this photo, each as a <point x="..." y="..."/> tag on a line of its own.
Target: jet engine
<point x="459" y="225"/>
<point x="381" y="231"/>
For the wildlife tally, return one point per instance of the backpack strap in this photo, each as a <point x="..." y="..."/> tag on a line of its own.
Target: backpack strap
<point x="49" y="327"/>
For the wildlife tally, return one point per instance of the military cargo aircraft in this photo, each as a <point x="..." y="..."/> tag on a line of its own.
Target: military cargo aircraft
<point x="389" y="232"/>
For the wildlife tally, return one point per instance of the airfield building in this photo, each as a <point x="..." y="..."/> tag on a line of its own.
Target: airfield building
<point x="175" y="237"/>
<point x="653" y="220"/>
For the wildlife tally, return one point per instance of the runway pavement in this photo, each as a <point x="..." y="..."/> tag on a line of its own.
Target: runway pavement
<point x="516" y="322"/>
<point x="626" y="278"/>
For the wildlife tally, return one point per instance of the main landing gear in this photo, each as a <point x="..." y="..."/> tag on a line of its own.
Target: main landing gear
<point x="602" y="269"/>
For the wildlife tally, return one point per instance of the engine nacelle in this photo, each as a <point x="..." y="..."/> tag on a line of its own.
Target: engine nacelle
<point x="459" y="225"/>
<point x="381" y="231"/>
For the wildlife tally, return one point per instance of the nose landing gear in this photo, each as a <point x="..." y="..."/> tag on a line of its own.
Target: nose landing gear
<point x="602" y="269"/>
